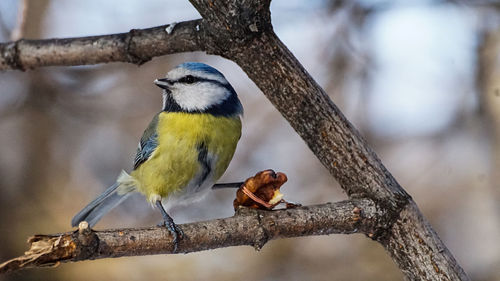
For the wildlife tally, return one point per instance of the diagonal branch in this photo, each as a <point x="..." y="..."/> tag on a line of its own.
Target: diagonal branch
<point x="246" y="227"/>
<point x="250" y="41"/>
<point x="136" y="46"/>
<point x="242" y="32"/>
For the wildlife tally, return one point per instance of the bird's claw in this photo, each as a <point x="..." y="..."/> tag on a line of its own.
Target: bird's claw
<point x="175" y="230"/>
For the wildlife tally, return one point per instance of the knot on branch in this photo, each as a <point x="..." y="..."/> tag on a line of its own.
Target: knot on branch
<point x="130" y="48"/>
<point x="10" y="54"/>
<point x="261" y="234"/>
<point x="87" y="241"/>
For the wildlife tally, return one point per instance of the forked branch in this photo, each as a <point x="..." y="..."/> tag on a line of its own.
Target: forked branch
<point x="242" y="32"/>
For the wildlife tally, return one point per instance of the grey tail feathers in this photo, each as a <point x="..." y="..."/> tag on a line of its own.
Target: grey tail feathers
<point x="104" y="203"/>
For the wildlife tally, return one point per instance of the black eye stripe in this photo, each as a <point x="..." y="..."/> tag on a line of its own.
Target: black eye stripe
<point x="196" y="79"/>
<point x="189" y="79"/>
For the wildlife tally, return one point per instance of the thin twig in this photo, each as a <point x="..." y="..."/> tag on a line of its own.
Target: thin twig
<point x="227" y="185"/>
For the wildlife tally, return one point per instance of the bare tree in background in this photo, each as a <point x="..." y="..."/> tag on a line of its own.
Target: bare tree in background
<point x="242" y="32"/>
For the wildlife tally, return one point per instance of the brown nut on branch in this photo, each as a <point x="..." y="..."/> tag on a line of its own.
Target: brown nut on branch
<point x="262" y="191"/>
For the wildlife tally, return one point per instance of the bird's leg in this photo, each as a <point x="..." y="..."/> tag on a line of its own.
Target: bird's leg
<point x="170" y="225"/>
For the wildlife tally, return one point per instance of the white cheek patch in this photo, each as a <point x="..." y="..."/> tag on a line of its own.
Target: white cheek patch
<point x="199" y="96"/>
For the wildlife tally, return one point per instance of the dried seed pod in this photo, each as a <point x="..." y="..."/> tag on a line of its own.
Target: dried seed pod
<point x="261" y="191"/>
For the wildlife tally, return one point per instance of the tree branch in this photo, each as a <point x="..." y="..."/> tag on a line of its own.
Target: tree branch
<point x="246" y="227"/>
<point x="136" y="46"/>
<point x="242" y="32"/>
<point x="249" y="40"/>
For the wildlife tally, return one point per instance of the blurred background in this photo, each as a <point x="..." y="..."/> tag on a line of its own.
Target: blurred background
<point x="419" y="79"/>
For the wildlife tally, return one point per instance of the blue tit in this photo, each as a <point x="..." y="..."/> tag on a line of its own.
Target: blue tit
<point x="185" y="149"/>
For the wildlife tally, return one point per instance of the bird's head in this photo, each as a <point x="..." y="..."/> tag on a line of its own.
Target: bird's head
<point x="198" y="88"/>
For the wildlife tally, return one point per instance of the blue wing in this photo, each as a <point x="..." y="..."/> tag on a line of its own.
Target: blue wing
<point x="147" y="144"/>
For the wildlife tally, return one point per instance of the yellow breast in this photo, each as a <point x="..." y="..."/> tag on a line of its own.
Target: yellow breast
<point x="175" y="162"/>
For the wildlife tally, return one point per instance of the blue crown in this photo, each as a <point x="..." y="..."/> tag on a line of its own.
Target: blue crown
<point x="198" y="66"/>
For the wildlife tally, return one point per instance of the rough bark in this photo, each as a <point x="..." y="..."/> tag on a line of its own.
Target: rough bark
<point x="337" y="144"/>
<point x="246" y="227"/>
<point x="136" y="46"/>
<point x="242" y="32"/>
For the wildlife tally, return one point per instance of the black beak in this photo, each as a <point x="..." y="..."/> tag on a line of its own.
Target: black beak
<point x="163" y="83"/>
